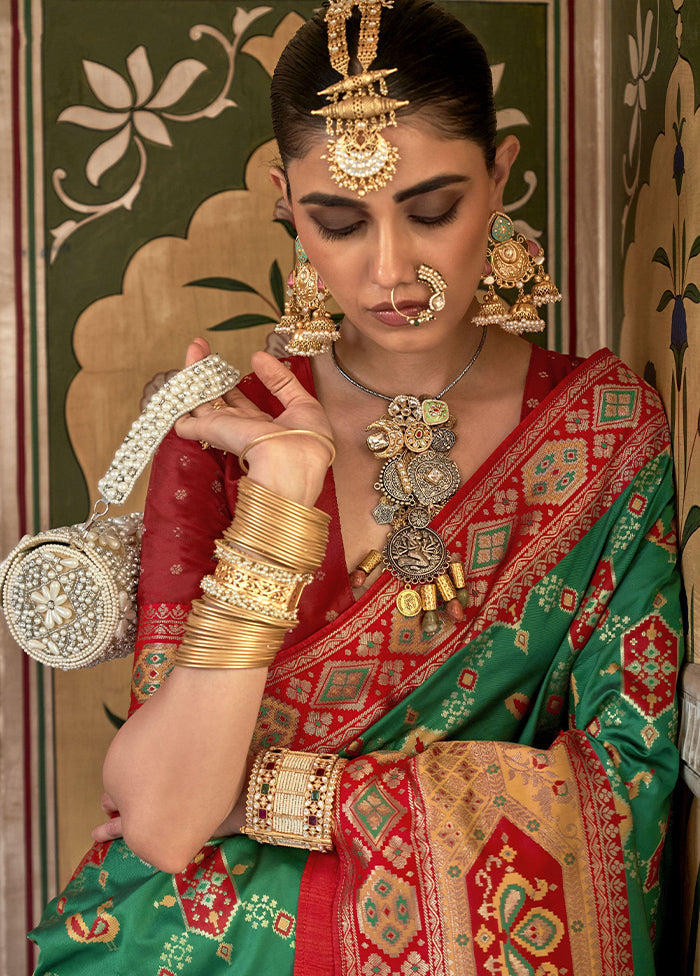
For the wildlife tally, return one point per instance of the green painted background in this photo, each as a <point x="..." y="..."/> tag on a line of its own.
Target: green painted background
<point x="207" y="156"/>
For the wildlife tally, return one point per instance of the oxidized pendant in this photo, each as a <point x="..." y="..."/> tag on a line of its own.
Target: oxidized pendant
<point x="416" y="480"/>
<point x="416" y="555"/>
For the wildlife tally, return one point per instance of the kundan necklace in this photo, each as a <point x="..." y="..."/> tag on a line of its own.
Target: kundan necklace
<point x="414" y="438"/>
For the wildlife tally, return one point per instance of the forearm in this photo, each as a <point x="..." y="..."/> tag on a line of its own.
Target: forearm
<point x="177" y="767"/>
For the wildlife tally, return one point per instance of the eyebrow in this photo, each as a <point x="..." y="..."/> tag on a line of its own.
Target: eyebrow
<point x="425" y="186"/>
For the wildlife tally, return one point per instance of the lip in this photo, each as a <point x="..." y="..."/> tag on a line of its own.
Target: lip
<point x="388" y="315"/>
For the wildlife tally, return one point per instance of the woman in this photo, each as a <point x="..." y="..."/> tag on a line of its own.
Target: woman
<point x="507" y="752"/>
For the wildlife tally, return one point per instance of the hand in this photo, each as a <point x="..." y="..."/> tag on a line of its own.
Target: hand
<point x="293" y="466"/>
<point x="113" y="827"/>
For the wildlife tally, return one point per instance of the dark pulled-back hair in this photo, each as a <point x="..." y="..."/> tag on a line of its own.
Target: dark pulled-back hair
<point x="442" y="68"/>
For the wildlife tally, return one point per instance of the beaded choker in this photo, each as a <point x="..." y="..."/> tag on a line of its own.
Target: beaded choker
<point x="414" y="438"/>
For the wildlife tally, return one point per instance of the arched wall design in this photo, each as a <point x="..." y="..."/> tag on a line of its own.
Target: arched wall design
<point x="655" y="257"/>
<point x="134" y="163"/>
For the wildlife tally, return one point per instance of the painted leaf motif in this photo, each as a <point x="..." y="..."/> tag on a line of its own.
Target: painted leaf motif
<point x="216" y="108"/>
<point x="660" y="257"/>
<point x="634" y="56"/>
<point x="151" y="127"/>
<point x="667" y="297"/>
<point x="288" y="226"/>
<point x="108" y="86"/>
<point x="692" y="524"/>
<point x="93" y="118"/>
<point x="630" y="93"/>
<point x="277" y="285"/>
<point x="242" y="322"/>
<point x="243" y="18"/>
<point x="497" y="75"/>
<point x="181" y="76"/>
<point x="642" y="94"/>
<point x="695" y="249"/>
<point x="647" y="39"/>
<point x="633" y="130"/>
<point x="225" y="284"/>
<point x="141" y="74"/>
<point x="692" y="292"/>
<point x="107" y="154"/>
<point x="510" y="116"/>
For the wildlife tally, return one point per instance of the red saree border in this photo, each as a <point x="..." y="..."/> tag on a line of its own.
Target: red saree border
<point x="504" y="585"/>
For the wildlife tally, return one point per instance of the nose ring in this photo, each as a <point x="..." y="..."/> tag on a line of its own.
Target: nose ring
<point x="437" y="284"/>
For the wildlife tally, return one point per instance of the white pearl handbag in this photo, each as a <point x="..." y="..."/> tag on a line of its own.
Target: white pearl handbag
<point x="69" y="594"/>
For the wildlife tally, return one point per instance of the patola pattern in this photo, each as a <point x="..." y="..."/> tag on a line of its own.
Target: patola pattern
<point x="505" y="802"/>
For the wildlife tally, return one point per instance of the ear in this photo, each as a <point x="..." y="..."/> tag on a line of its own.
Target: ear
<point x="278" y="178"/>
<point x="506" y="154"/>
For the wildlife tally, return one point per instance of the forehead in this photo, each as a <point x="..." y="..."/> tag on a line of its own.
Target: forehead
<point x="424" y="152"/>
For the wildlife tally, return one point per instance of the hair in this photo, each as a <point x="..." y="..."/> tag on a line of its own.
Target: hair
<point x="441" y="66"/>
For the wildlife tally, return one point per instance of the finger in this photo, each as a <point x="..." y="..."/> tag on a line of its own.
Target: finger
<point x="109" y="830"/>
<point x="279" y="380"/>
<point x="197" y="349"/>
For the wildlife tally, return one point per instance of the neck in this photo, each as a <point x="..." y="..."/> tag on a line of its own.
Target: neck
<point x="424" y="369"/>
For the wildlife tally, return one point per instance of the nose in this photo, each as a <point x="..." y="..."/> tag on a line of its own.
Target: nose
<point x="391" y="256"/>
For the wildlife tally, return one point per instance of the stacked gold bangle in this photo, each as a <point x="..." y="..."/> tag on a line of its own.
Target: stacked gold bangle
<point x="266" y="558"/>
<point x="290" y="798"/>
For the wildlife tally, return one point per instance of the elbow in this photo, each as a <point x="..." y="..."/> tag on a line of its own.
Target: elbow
<point x="164" y="852"/>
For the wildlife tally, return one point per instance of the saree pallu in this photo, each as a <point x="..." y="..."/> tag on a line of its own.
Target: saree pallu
<point x="507" y="793"/>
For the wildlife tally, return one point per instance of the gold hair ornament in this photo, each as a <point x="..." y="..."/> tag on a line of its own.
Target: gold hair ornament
<point x="359" y="157"/>
<point x="437" y="284"/>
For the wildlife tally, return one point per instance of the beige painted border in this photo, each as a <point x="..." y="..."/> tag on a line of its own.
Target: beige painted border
<point x="593" y="180"/>
<point x="16" y="868"/>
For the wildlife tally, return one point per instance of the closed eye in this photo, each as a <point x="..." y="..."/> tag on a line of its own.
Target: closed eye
<point x="446" y="217"/>
<point x="337" y="233"/>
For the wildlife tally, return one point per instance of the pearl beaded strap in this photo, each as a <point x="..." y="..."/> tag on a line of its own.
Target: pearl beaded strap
<point x="191" y="387"/>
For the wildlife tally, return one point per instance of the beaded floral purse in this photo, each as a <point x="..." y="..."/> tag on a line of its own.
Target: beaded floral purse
<point x="69" y="594"/>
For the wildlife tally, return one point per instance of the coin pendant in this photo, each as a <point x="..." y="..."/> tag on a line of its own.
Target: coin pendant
<point x="416" y="555"/>
<point x="408" y="603"/>
<point x="443" y="440"/>
<point x="434" y="478"/>
<point x="394" y="482"/>
<point x="418" y="516"/>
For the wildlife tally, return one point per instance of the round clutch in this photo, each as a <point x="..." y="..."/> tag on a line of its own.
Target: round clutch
<point x="69" y="595"/>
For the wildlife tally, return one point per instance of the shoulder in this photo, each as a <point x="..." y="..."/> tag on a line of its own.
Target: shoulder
<point x="599" y="371"/>
<point x="556" y="366"/>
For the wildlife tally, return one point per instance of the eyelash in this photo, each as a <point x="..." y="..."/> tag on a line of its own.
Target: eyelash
<point x="338" y="235"/>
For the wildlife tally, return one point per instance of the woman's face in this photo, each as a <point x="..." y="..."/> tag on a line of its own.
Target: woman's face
<point x="435" y="211"/>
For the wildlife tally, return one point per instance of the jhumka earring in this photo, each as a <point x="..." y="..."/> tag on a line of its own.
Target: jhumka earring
<point x="305" y="316"/>
<point x="437" y="284"/>
<point x="359" y="157"/>
<point x="511" y="262"/>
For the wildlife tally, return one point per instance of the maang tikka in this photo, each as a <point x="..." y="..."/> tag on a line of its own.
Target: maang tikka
<point x="511" y="262"/>
<point x="359" y="157"/>
<point x="305" y="315"/>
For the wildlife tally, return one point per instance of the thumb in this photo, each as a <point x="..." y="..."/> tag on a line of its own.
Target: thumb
<point x="278" y="379"/>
